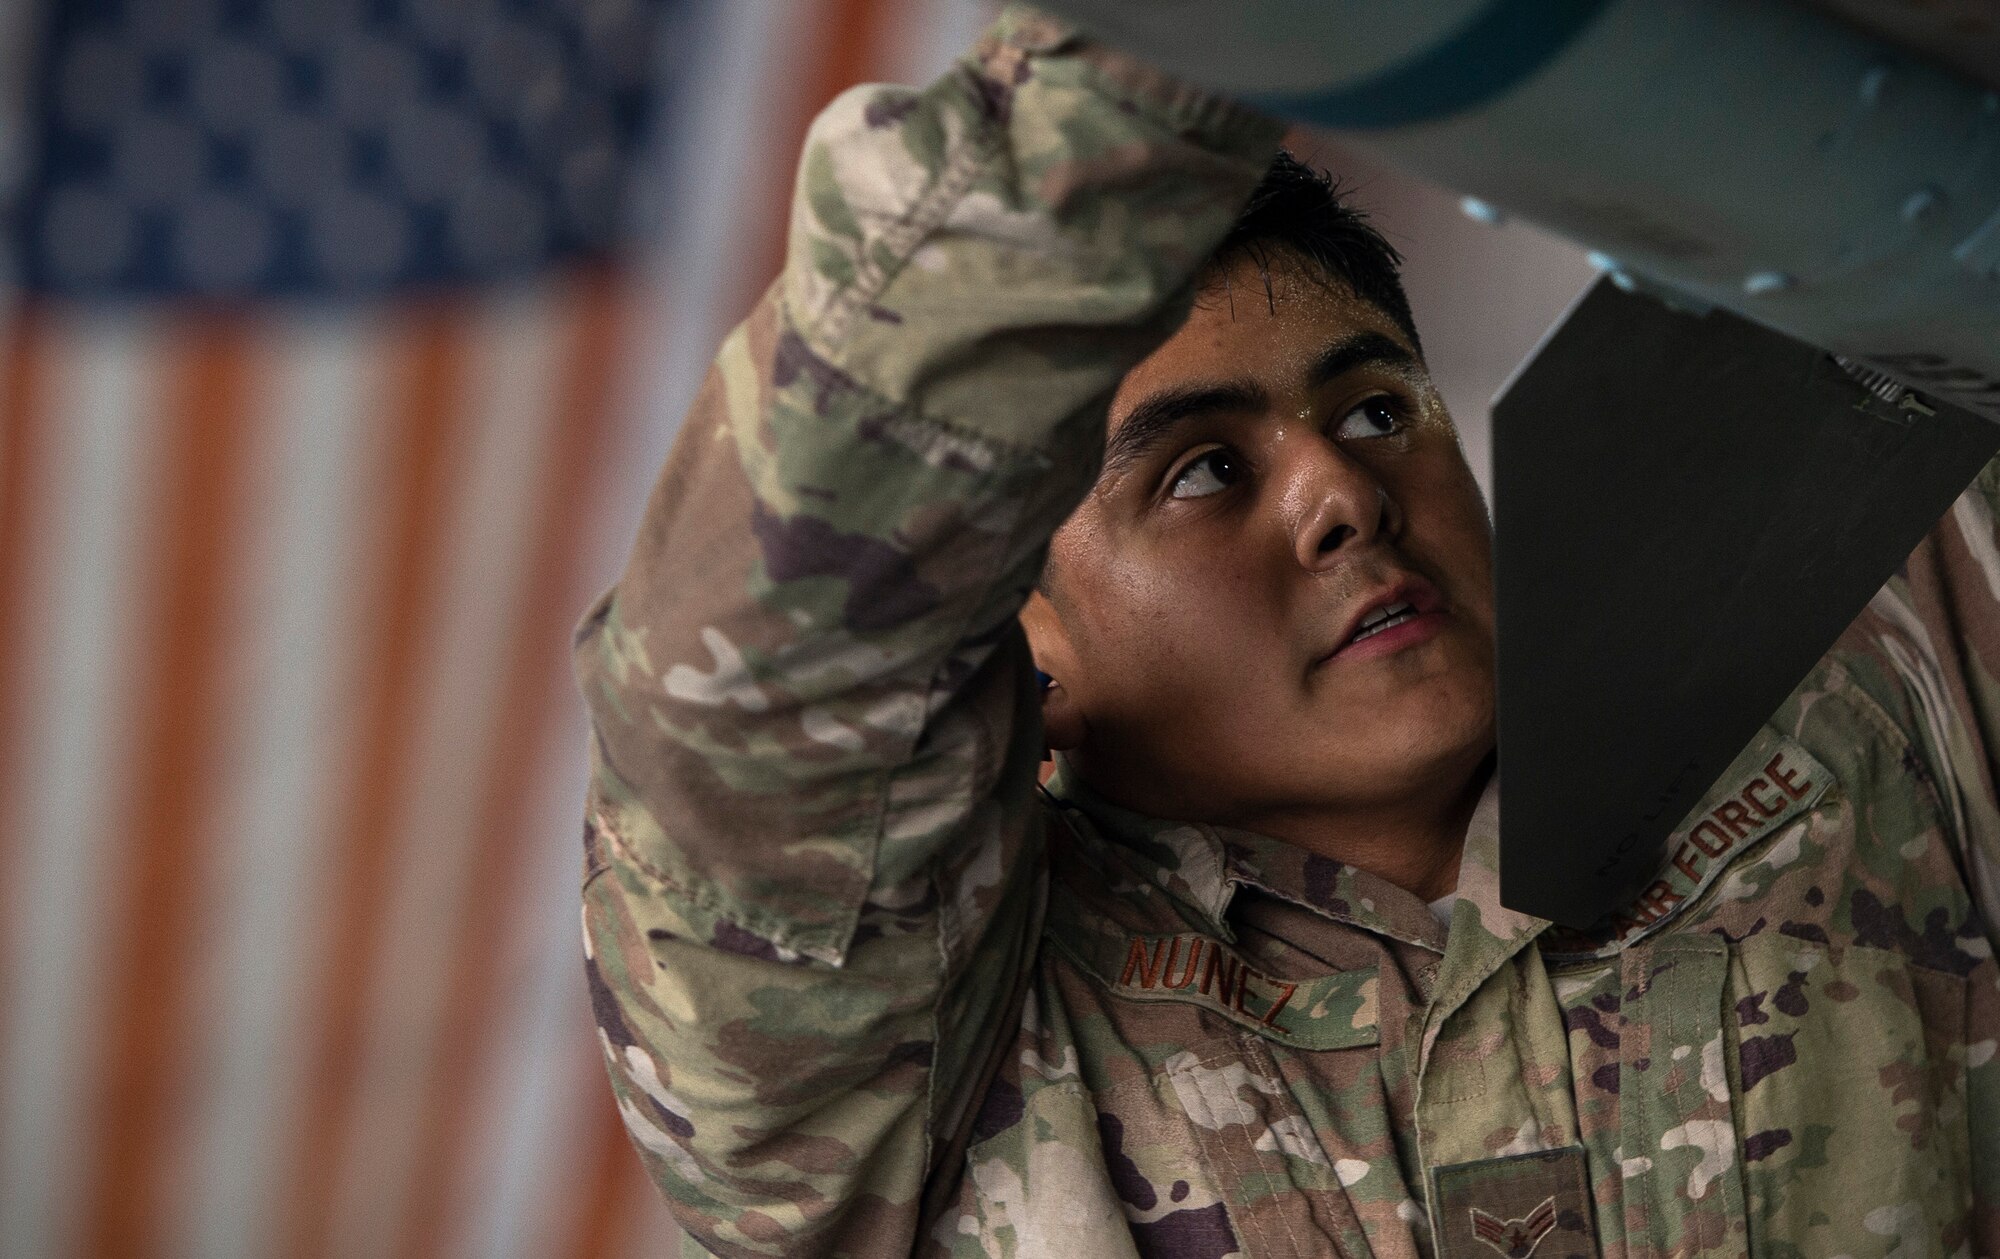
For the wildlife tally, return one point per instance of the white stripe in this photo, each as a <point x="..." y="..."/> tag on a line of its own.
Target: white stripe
<point x="309" y="496"/>
<point x="536" y="1150"/>
<point x="511" y="374"/>
<point x="84" y="620"/>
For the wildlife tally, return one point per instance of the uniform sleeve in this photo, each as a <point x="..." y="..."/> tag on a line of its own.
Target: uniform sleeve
<point x="813" y="866"/>
<point x="1928" y="647"/>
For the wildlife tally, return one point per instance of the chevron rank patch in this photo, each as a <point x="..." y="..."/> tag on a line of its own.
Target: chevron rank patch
<point x="1519" y="1206"/>
<point x="1516" y="1239"/>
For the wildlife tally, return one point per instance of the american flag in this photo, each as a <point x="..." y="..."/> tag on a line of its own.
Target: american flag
<point x="338" y="343"/>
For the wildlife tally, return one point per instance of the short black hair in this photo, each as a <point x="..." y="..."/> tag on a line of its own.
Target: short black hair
<point x="1302" y="210"/>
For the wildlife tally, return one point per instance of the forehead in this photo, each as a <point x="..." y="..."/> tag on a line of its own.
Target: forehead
<point x="1253" y="323"/>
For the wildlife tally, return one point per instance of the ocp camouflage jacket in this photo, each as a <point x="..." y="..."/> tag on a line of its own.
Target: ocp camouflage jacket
<point x="865" y="991"/>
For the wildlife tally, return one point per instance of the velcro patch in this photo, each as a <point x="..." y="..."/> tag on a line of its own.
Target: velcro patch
<point x="1336" y="1011"/>
<point x="1522" y="1206"/>
<point x="1774" y="781"/>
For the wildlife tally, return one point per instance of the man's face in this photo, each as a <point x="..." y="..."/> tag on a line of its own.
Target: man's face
<point x="1277" y="474"/>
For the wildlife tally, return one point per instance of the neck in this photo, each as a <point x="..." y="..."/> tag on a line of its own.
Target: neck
<point x="1413" y="842"/>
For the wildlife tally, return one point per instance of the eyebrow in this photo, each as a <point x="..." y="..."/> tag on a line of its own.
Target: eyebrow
<point x="1154" y="421"/>
<point x="1363" y="349"/>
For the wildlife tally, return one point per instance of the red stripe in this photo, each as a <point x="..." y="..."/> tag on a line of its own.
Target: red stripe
<point x="613" y="1188"/>
<point x="176" y="715"/>
<point x="849" y="34"/>
<point x="24" y="356"/>
<point x="517" y="744"/>
<point x="426" y="400"/>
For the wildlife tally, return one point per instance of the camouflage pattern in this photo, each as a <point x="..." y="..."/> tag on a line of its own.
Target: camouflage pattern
<point x="865" y="991"/>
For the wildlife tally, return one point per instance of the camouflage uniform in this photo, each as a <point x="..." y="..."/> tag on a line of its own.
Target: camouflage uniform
<point x="865" y="991"/>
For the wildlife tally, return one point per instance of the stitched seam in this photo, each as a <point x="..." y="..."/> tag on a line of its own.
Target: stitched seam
<point x="1535" y="1094"/>
<point x="1904" y="958"/>
<point x="1475" y="1086"/>
<point x="1640" y="1121"/>
<point x="700" y="897"/>
<point x="1253" y="1052"/>
<point x="899" y="239"/>
<point x="1231" y="1185"/>
<point x="1373" y="928"/>
<point x="998" y="448"/>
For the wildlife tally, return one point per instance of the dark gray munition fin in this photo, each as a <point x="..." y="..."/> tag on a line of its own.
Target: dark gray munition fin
<point x="1690" y="509"/>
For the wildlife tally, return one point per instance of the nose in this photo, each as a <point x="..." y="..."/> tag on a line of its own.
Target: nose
<point x="1335" y="504"/>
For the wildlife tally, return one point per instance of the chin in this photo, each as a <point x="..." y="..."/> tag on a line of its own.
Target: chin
<point x="1429" y="738"/>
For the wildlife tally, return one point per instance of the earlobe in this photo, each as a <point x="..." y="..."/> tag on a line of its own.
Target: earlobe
<point x="1063" y="725"/>
<point x="1062" y="721"/>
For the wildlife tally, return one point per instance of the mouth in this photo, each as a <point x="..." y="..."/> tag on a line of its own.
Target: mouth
<point x="1403" y="614"/>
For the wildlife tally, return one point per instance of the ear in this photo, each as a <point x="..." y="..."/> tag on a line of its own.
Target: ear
<point x="1063" y="722"/>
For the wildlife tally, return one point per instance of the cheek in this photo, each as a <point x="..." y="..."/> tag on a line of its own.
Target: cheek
<point x="1169" y="619"/>
<point x="1448" y="519"/>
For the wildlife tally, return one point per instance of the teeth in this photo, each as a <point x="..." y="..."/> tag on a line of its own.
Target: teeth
<point x="1383" y="618"/>
<point x="1385" y="611"/>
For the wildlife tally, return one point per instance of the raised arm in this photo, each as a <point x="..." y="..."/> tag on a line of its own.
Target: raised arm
<point x="813" y="868"/>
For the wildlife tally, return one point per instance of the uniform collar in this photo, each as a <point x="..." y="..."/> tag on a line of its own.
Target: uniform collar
<point x="1202" y="867"/>
<point x="1331" y="888"/>
<point x="1186" y="860"/>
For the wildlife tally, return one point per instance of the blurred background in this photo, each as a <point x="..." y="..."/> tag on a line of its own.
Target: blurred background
<point x="339" y="340"/>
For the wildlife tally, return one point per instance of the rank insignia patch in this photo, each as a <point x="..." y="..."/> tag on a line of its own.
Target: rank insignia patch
<point x="1515" y="1205"/>
<point x="1516" y="1239"/>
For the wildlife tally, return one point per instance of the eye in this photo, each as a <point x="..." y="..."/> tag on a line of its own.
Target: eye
<point x="1376" y="417"/>
<point x="1211" y="473"/>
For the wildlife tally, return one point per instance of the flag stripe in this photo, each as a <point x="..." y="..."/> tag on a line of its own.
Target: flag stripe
<point x="427" y="408"/>
<point x="539" y="624"/>
<point x="543" y="1082"/>
<point x="500" y="459"/>
<point x="321" y="437"/>
<point x="176" y="703"/>
<point x="23" y="362"/>
<point x="616" y="1177"/>
<point x="81" y="595"/>
<point x="23" y="459"/>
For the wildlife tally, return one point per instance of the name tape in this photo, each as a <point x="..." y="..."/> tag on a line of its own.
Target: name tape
<point x="1336" y="1011"/>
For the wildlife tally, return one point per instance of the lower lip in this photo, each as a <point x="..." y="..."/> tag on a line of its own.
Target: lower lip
<point x="1420" y="628"/>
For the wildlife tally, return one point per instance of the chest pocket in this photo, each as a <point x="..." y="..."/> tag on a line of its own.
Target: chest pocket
<point x="1225" y="1081"/>
<point x="1209" y="1156"/>
<point x="1286" y="1194"/>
